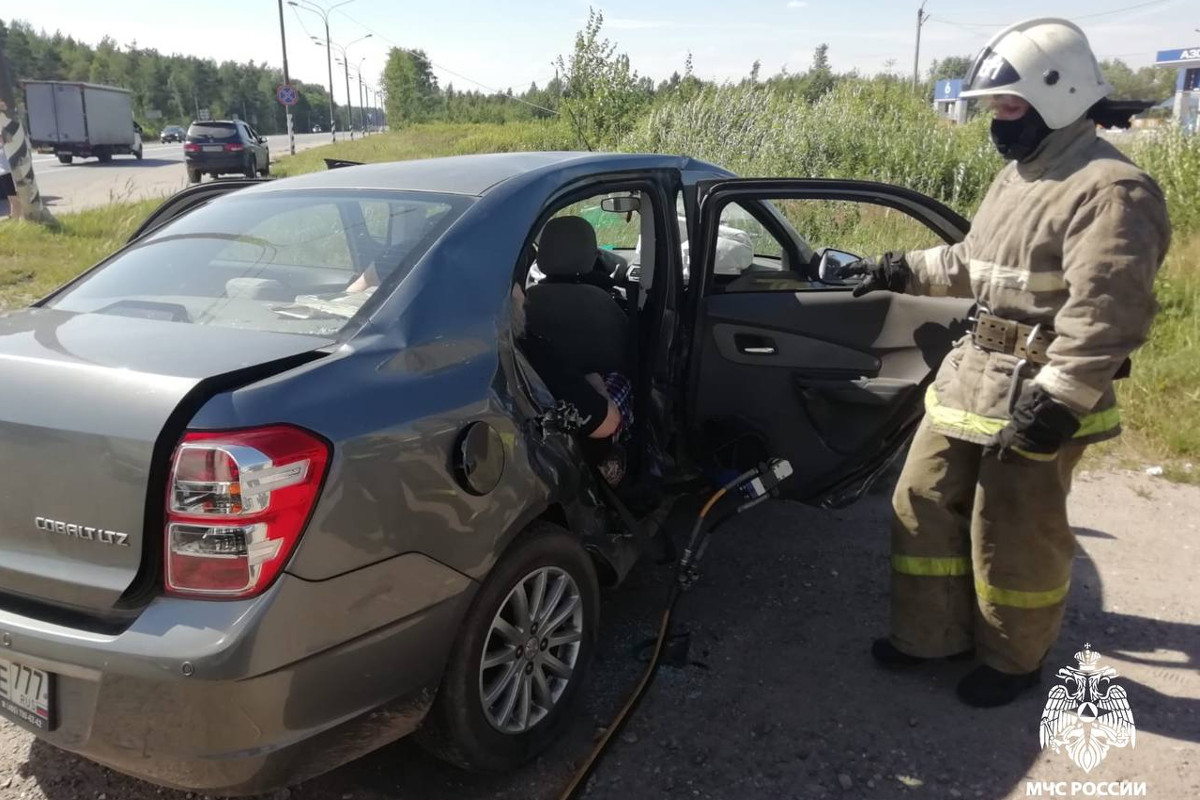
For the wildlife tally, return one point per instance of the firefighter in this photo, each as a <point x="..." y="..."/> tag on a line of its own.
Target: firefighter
<point x="1060" y="260"/>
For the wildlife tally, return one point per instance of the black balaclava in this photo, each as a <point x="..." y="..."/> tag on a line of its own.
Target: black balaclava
<point x="1016" y="139"/>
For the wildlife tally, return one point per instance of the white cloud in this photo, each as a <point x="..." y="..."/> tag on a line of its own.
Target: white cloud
<point x="796" y="4"/>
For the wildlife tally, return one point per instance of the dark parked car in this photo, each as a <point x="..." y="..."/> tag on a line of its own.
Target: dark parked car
<point x="172" y="133"/>
<point x="282" y="484"/>
<point x="222" y="147"/>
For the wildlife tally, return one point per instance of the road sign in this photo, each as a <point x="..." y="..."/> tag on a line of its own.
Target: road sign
<point x="287" y="94"/>
<point x="203" y="115"/>
<point x="1183" y="57"/>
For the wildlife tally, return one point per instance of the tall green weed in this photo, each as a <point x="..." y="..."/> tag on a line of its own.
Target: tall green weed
<point x="1173" y="159"/>
<point x="871" y="130"/>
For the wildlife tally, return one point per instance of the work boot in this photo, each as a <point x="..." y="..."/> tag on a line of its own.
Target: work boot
<point x="984" y="687"/>
<point x="887" y="655"/>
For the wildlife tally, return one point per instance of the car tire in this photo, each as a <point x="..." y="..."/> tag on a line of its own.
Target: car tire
<point x="65" y="158"/>
<point x="193" y="176"/>
<point x="266" y="170"/>
<point x="251" y="169"/>
<point x="104" y="158"/>
<point x="463" y="727"/>
<point x="138" y="154"/>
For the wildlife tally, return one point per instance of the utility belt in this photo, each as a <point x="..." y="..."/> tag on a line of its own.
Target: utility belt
<point x="1029" y="343"/>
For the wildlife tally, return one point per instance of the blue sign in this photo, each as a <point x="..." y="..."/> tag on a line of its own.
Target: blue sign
<point x="1183" y="55"/>
<point x="948" y="90"/>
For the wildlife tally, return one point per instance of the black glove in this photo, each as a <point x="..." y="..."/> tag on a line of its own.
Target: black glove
<point x="890" y="271"/>
<point x="1040" y="425"/>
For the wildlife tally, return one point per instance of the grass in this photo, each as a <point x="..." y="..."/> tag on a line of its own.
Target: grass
<point x="34" y="259"/>
<point x="860" y="130"/>
<point x="1161" y="400"/>
<point x="432" y="140"/>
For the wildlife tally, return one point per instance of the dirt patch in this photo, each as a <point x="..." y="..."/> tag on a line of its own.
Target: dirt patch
<point x="780" y="699"/>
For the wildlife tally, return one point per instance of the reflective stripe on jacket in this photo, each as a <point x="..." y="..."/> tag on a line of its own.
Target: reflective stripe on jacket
<point x="1071" y="239"/>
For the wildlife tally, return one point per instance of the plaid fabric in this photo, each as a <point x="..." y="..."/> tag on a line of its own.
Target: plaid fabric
<point x="621" y="391"/>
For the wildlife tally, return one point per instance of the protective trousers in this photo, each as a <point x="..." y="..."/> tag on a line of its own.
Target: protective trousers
<point x="981" y="552"/>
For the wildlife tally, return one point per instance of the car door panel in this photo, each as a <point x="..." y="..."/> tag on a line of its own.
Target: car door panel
<point x="833" y="383"/>
<point x="756" y="345"/>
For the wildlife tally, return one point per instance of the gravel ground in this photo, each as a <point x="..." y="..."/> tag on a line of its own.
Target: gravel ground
<point x="780" y="700"/>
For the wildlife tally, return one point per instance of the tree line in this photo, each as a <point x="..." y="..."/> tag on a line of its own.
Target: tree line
<point x="167" y="89"/>
<point x="598" y="92"/>
<point x="595" y="89"/>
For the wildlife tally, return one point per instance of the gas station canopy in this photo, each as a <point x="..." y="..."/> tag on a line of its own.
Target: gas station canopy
<point x="1187" y="88"/>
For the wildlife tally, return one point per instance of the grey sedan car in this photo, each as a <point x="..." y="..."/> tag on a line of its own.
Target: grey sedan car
<point x="282" y="484"/>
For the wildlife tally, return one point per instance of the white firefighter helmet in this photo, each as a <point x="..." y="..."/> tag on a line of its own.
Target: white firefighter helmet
<point x="1047" y="62"/>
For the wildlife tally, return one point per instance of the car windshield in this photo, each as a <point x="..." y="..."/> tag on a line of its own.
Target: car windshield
<point x="289" y="262"/>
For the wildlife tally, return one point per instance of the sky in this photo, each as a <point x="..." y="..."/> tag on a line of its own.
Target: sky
<point x="476" y="44"/>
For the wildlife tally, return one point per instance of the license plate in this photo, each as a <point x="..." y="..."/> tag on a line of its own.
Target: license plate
<point x="213" y="148"/>
<point x="25" y="694"/>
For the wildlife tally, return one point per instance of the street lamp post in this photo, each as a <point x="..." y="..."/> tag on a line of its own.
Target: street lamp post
<point x="345" y="62"/>
<point x="323" y="13"/>
<point x="362" y="101"/>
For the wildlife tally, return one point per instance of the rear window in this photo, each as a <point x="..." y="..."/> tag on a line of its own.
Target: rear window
<point x="288" y="262"/>
<point x="213" y="132"/>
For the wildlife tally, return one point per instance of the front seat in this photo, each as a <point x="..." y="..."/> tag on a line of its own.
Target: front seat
<point x="583" y="321"/>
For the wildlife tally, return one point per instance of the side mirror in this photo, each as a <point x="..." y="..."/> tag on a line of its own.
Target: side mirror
<point x="621" y="205"/>
<point x="833" y="262"/>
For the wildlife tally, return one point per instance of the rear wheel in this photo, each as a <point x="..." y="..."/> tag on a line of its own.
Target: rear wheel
<point x="65" y="158"/>
<point x="521" y="656"/>
<point x="138" y="154"/>
<point x="193" y="176"/>
<point x="250" y="170"/>
<point x="104" y="157"/>
<point x="266" y="170"/>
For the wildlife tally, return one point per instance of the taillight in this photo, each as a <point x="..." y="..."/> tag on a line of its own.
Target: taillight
<point x="234" y="148"/>
<point x="237" y="504"/>
<point x="191" y="147"/>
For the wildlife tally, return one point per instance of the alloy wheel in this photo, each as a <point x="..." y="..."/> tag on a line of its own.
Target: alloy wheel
<point x="531" y="650"/>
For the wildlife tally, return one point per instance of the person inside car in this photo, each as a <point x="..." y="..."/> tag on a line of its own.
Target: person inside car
<point x="599" y="408"/>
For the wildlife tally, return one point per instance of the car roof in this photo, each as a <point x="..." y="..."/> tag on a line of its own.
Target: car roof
<point x="475" y="174"/>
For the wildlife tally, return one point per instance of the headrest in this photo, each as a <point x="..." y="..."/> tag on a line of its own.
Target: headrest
<point x="567" y="247"/>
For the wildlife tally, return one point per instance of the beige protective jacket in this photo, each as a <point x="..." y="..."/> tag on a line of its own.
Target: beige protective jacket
<point x="1072" y="239"/>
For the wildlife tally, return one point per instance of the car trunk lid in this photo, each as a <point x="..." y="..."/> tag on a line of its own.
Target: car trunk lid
<point x="91" y="408"/>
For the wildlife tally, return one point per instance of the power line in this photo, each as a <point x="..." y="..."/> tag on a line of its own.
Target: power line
<point x="300" y="19"/>
<point x="1127" y="8"/>
<point x="1093" y="15"/>
<point x="960" y="26"/>
<point x="445" y="69"/>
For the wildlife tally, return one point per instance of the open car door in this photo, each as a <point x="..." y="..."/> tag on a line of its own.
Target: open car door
<point x="784" y="363"/>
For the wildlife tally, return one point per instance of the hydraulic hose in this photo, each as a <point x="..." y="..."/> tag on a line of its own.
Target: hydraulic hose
<point x="579" y="780"/>
<point x="574" y="789"/>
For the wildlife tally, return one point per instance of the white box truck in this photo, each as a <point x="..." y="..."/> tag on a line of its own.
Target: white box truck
<point x="81" y="119"/>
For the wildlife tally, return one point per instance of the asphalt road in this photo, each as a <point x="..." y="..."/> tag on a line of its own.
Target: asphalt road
<point x="88" y="183"/>
<point x="777" y="698"/>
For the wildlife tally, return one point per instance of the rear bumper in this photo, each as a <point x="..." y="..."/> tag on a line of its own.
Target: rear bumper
<point x="234" y="162"/>
<point x="243" y="697"/>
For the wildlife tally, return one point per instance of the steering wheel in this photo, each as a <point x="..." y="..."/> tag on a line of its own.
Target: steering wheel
<point x="614" y="265"/>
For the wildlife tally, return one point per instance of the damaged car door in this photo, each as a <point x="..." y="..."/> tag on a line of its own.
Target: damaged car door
<point x="784" y="361"/>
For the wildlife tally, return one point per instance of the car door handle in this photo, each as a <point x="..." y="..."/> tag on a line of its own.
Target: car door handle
<point x="860" y="391"/>
<point x="753" y="345"/>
